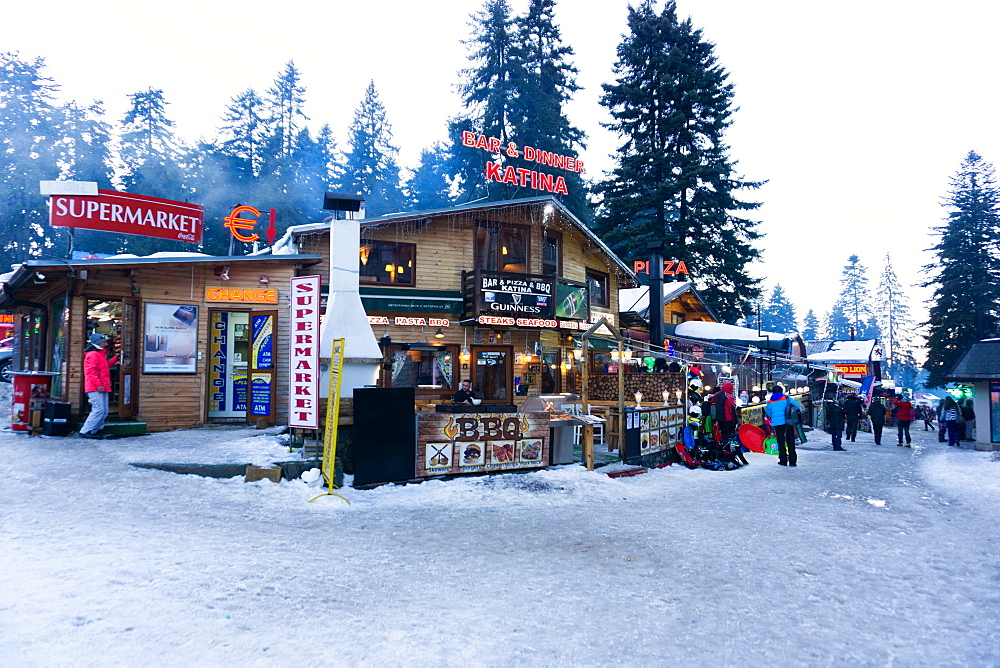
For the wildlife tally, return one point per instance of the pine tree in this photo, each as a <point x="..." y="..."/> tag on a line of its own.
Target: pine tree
<point x="854" y="295"/>
<point x="778" y="315"/>
<point x="837" y="325"/>
<point x="29" y="152"/>
<point x="487" y="93"/>
<point x="895" y="324"/>
<point x="673" y="181"/>
<point x="810" y="329"/>
<point x="966" y="277"/>
<point x="243" y="134"/>
<point x="544" y="82"/>
<point x="87" y="157"/>
<point x="371" y="169"/>
<point x="152" y="161"/>
<point x="429" y="187"/>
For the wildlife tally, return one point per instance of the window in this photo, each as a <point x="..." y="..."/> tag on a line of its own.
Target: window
<point x="676" y="318"/>
<point x="501" y="247"/>
<point x="597" y="283"/>
<point x="552" y="254"/>
<point x="388" y="263"/>
<point x="430" y="370"/>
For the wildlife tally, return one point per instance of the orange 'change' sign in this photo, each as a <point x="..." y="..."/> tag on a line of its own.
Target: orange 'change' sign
<point x="242" y="295"/>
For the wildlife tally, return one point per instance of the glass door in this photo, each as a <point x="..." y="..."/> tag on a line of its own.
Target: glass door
<point x="492" y="380"/>
<point x="261" y="368"/>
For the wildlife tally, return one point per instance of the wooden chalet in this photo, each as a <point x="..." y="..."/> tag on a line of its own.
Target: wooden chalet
<point x="491" y="291"/>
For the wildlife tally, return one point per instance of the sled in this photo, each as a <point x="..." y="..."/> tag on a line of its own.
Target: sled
<point x="801" y="433"/>
<point x="751" y="437"/>
<point x="683" y="446"/>
<point x="771" y="446"/>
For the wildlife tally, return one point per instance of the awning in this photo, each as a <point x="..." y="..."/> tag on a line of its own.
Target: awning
<point x="598" y="343"/>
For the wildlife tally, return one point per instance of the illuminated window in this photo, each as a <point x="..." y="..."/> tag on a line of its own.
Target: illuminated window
<point x="501" y="247"/>
<point x="388" y="263"/>
<point x="597" y="283"/>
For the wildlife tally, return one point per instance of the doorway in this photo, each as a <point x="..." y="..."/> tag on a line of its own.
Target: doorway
<point x="492" y="368"/>
<point x="117" y="320"/>
<point x="229" y="356"/>
<point x="242" y="365"/>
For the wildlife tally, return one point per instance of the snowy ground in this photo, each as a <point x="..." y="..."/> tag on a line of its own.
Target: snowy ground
<point x="877" y="556"/>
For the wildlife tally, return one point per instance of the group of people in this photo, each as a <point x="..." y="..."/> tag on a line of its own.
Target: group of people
<point x="844" y="416"/>
<point x="954" y="420"/>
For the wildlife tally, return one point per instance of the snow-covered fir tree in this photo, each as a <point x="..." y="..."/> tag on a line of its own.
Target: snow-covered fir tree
<point x="854" y="295"/>
<point x="896" y="326"/>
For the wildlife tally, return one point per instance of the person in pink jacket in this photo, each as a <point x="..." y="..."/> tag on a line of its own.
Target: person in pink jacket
<point x="97" y="384"/>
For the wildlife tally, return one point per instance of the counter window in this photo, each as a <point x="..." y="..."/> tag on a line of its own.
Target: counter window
<point x="388" y="262"/>
<point x="501" y="248"/>
<point x="597" y="282"/>
<point x="429" y="371"/>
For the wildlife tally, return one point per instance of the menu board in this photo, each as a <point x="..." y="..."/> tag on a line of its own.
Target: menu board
<point x="660" y="428"/>
<point x="457" y="443"/>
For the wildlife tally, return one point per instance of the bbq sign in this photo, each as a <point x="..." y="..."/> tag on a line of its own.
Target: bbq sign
<point x="449" y="444"/>
<point x="125" y="213"/>
<point x="516" y="296"/>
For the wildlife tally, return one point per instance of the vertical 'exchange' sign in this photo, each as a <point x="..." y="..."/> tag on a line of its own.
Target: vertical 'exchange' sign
<point x="303" y="386"/>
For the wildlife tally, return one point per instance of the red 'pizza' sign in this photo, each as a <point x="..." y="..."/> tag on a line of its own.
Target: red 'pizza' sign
<point x="126" y="213"/>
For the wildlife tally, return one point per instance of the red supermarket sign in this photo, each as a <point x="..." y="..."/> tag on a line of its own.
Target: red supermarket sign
<point x="126" y="213"/>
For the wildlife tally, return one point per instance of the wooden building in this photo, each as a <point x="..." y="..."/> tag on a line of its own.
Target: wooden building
<point x="199" y="338"/>
<point x="491" y="291"/>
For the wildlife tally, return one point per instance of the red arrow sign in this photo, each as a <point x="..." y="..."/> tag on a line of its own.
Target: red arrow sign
<point x="271" y="231"/>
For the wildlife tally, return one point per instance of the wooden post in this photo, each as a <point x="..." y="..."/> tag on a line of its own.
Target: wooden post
<point x="588" y="446"/>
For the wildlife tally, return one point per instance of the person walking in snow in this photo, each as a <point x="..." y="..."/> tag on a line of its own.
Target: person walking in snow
<point x="853" y="409"/>
<point x="904" y="416"/>
<point x="951" y="415"/>
<point x="876" y="415"/>
<point x="835" y="424"/>
<point x="96" y="383"/>
<point x="776" y="410"/>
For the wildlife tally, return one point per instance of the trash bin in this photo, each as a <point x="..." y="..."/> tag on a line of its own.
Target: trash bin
<point x="31" y="390"/>
<point x="55" y="420"/>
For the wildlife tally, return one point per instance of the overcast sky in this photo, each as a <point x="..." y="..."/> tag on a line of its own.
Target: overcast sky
<point x="856" y="113"/>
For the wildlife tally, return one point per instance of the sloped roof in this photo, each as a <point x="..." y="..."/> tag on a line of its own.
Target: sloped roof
<point x="391" y="218"/>
<point x="980" y="361"/>
<point x="637" y="299"/>
<point x="845" y="351"/>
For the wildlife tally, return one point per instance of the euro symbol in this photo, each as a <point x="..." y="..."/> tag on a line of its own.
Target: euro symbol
<point x="235" y="223"/>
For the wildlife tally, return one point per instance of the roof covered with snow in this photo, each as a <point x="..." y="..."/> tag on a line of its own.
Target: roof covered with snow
<point x="846" y="351"/>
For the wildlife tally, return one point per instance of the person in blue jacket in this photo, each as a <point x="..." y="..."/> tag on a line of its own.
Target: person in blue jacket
<point x="784" y="432"/>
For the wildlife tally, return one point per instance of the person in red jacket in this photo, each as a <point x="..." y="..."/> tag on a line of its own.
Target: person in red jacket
<point x="904" y="416"/>
<point x="97" y="384"/>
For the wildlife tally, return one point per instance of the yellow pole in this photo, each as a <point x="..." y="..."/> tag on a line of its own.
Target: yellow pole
<point x="329" y="465"/>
